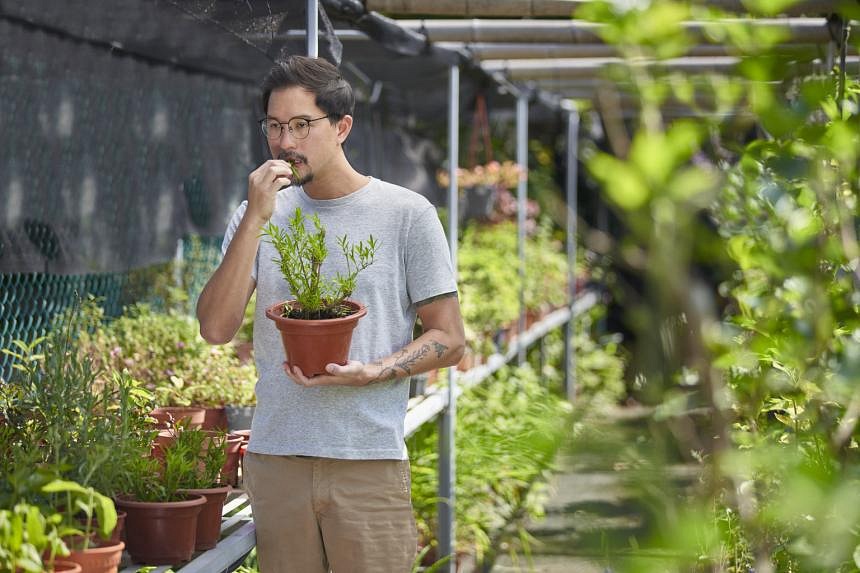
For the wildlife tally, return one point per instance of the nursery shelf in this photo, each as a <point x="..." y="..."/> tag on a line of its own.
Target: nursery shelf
<point x="437" y="399"/>
<point x="237" y="540"/>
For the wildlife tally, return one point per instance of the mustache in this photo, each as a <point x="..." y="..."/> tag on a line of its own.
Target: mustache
<point x="292" y="156"/>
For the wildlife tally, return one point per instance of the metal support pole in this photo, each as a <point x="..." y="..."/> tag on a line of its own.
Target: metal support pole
<point x="572" y="214"/>
<point x="313" y="28"/>
<point x="447" y="421"/>
<point x="522" y="192"/>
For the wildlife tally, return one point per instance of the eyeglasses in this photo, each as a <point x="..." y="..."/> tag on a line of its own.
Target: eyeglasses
<point x="299" y="127"/>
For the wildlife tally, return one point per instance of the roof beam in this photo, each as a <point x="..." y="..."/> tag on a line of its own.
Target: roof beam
<point x="476" y="8"/>
<point x="567" y="68"/>
<point x="801" y="30"/>
<point x="573" y="68"/>
<point x="551" y="8"/>
<point x="515" y="51"/>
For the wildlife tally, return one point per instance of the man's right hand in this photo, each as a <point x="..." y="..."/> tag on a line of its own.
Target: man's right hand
<point x="263" y="185"/>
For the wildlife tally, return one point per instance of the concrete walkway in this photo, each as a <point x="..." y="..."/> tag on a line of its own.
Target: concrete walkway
<point x="591" y="515"/>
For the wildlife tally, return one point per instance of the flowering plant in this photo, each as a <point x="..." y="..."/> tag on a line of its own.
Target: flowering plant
<point x="503" y="175"/>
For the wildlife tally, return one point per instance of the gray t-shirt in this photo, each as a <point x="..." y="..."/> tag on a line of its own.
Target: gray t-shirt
<point x="412" y="264"/>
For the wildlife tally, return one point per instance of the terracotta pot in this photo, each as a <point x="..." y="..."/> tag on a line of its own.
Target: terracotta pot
<point x="209" y="520"/>
<point x="63" y="567"/>
<point x="161" y="533"/>
<point x="244" y="351"/>
<point x="117" y="533"/>
<point x="163" y="440"/>
<point x="169" y="416"/>
<point x="245" y="434"/>
<point x="230" y="470"/>
<point x="102" y="558"/>
<point x="214" y="418"/>
<point x="311" y="344"/>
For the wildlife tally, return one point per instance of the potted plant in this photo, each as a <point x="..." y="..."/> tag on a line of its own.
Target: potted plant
<point x="164" y="350"/>
<point x="316" y="326"/>
<point x="161" y="522"/>
<point x="206" y="451"/>
<point x="98" y="520"/>
<point x="480" y="188"/>
<point x="26" y="535"/>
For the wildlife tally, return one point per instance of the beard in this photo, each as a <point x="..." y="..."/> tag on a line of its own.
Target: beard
<point x="307" y="177"/>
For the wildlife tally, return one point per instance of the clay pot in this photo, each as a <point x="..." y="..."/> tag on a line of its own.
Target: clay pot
<point x="209" y="520"/>
<point x="117" y="533"/>
<point x="63" y="567"/>
<point x="245" y="435"/>
<point x="102" y="558"/>
<point x="230" y="470"/>
<point x="312" y="344"/>
<point x="161" y="533"/>
<point x="215" y="418"/>
<point x="169" y="416"/>
<point x="163" y="440"/>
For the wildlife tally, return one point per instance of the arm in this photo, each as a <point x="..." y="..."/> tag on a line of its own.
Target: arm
<point x="221" y="306"/>
<point x="442" y="344"/>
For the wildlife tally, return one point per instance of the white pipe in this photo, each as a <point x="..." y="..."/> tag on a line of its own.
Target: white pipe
<point x="447" y="422"/>
<point x="522" y="195"/>
<point x="313" y="28"/>
<point x="544" y="8"/>
<point x="804" y="30"/>
<point x="475" y="8"/>
<point x="558" y="50"/>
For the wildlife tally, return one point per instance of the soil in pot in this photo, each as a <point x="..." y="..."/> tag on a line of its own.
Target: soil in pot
<point x="312" y="344"/>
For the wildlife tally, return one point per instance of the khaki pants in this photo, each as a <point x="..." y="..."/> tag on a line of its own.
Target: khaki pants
<point x="315" y="514"/>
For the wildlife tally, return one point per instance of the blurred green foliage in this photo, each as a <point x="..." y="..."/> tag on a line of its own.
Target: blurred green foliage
<point x="761" y="365"/>
<point x="164" y="351"/>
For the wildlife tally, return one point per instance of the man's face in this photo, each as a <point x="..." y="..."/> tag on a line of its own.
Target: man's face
<point x="308" y="154"/>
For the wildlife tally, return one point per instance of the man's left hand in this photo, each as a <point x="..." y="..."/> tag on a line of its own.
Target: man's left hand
<point x="351" y="374"/>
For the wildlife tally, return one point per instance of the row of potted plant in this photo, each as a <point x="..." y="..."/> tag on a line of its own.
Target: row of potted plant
<point x="164" y="350"/>
<point x="489" y="281"/>
<point x="80" y="452"/>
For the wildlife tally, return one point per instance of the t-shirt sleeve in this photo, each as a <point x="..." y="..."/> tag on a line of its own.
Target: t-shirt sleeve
<point x="429" y="271"/>
<point x="231" y="230"/>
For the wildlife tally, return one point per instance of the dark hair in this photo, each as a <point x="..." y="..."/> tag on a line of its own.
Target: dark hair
<point x="333" y="93"/>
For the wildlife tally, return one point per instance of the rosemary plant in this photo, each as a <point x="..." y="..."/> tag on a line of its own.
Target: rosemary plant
<point x="300" y="257"/>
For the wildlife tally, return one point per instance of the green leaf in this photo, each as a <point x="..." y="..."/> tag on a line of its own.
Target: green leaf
<point x="35" y="527"/>
<point x="59" y="485"/>
<point x="768" y="7"/>
<point x="624" y="185"/>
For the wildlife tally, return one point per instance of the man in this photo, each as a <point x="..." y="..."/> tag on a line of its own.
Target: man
<point x="326" y="469"/>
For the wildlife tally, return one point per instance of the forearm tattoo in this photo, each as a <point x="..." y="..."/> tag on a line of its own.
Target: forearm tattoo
<point x="405" y="360"/>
